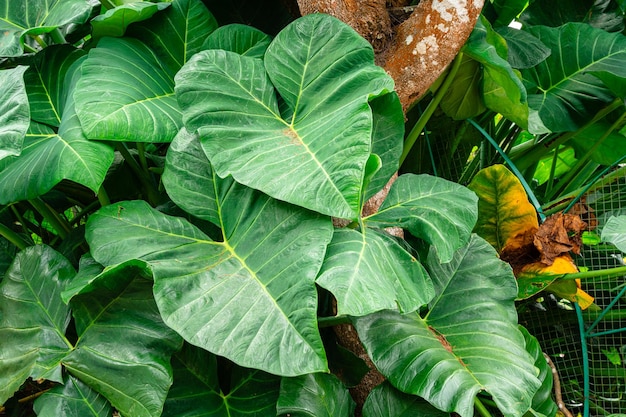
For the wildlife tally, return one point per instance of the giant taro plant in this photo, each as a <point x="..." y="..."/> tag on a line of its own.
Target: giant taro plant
<point x="199" y="287"/>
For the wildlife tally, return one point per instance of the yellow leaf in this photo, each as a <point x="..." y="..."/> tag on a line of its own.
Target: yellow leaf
<point x="505" y="216"/>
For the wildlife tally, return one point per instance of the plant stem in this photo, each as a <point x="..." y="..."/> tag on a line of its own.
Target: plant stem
<point x="144" y="178"/>
<point x="29" y="48"/>
<point x="480" y="407"/>
<point x="57" y="36"/>
<point x="103" y="197"/>
<point x="605" y="273"/>
<point x="141" y="152"/>
<point x="432" y="106"/>
<point x="332" y="321"/>
<point x="13" y="237"/>
<point x="39" y="40"/>
<point x="61" y="226"/>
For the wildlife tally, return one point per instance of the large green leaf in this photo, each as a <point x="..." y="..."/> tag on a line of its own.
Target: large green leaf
<point x="314" y="395"/>
<point x="177" y="33"/>
<point x="196" y="391"/>
<point x="124" y="348"/>
<point x="48" y="157"/>
<point x="608" y="152"/>
<point x="525" y="51"/>
<point x="463" y="99"/>
<point x="242" y="39"/>
<point x="386" y="401"/>
<point x="508" y="10"/>
<point x="319" y="139"/>
<point x="14" y="111"/>
<point x="33" y="318"/>
<point x="251" y="298"/>
<point x="188" y="177"/>
<point x="614" y="231"/>
<point x="441" y="212"/>
<point x="126" y="93"/>
<point x="368" y="271"/>
<point x="47" y="85"/>
<point x="464" y="344"/>
<point x="115" y="21"/>
<point x="72" y="399"/>
<point x="565" y="89"/>
<point x="34" y="17"/>
<point x="601" y="14"/>
<point x="542" y="404"/>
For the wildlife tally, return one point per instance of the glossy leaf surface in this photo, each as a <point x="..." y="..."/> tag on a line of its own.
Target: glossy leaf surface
<point x="73" y="399"/>
<point x="386" y="401"/>
<point x="542" y="401"/>
<point x="368" y="271"/>
<point x="441" y="212"/>
<point x="115" y="21"/>
<point x="464" y="344"/>
<point x="242" y="39"/>
<point x="230" y="297"/>
<point x="319" y="140"/>
<point x="314" y="395"/>
<point x="505" y="214"/>
<point x="33" y="318"/>
<point x="14" y="111"/>
<point x="18" y="19"/>
<point x="124" y="348"/>
<point x="565" y="89"/>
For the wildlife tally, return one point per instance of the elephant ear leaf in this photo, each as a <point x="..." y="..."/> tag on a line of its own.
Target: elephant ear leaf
<point x="298" y="119"/>
<point x="463" y="345"/>
<point x="14" y="112"/>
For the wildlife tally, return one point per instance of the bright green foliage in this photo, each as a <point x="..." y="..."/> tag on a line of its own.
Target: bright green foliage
<point x="72" y="399"/>
<point x="314" y="395"/>
<point x="14" y="110"/>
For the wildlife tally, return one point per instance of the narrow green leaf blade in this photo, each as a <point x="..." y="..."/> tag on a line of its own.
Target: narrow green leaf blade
<point x="441" y="212"/>
<point x="206" y="290"/>
<point x="188" y="177"/>
<point x="124" y="348"/>
<point x="33" y="318"/>
<point x="368" y="272"/>
<point x="314" y="395"/>
<point x="319" y="139"/>
<point x="37" y="16"/>
<point x="464" y="344"/>
<point x="14" y="111"/>
<point x="72" y="399"/>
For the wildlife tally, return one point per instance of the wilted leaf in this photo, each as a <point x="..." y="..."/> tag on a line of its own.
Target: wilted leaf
<point x="559" y="234"/>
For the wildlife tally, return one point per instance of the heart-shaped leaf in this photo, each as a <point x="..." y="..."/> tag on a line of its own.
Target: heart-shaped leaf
<point x="47" y="85"/>
<point x="386" y="401"/>
<point x="123" y="348"/>
<point x="242" y="39"/>
<point x="33" y="318"/>
<point x="196" y="390"/>
<point x="464" y="344"/>
<point x="368" y="271"/>
<point x="525" y="51"/>
<point x="14" y="111"/>
<point x="565" y="89"/>
<point x="115" y="21"/>
<point x="314" y="395"/>
<point x="72" y="399"/>
<point x="34" y="17"/>
<point x="441" y="212"/>
<point x="463" y="99"/>
<point x="188" y="177"/>
<point x="207" y="290"/>
<point x="48" y="157"/>
<point x="325" y="79"/>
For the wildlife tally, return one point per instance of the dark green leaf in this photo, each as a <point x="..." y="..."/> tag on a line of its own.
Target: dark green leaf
<point x="463" y="99"/>
<point x="35" y="17"/>
<point x="508" y="10"/>
<point x="47" y="85"/>
<point x="386" y="401"/>
<point x="14" y="111"/>
<point x="441" y="212"/>
<point x="608" y="152"/>
<point x="319" y="139"/>
<point x="188" y="177"/>
<point x="124" y="348"/>
<point x="564" y="89"/>
<point x="368" y="271"/>
<point x="73" y="399"/>
<point x="314" y="395"/>
<point x="115" y="21"/>
<point x="33" y="318"/>
<point x="601" y="14"/>
<point x="525" y="50"/>
<point x="207" y="290"/>
<point x="465" y="344"/>
<point x="242" y="39"/>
